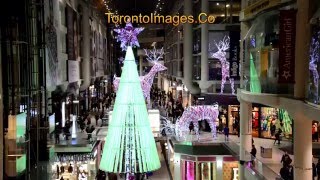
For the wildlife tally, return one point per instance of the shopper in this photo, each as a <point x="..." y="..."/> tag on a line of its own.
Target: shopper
<point x="314" y="170"/>
<point x="253" y="153"/>
<point x="285" y="173"/>
<point x="70" y="169"/>
<point x="277" y="136"/>
<point x="273" y="130"/>
<point x="318" y="169"/>
<point x="226" y="133"/>
<point x="286" y="160"/>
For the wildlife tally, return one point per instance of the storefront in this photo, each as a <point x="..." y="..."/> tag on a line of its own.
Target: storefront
<point x="266" y="121"/>
<point x="74" y="166"/>
<point x="208" y="167"/>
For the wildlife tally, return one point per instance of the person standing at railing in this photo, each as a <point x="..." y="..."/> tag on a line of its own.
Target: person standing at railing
<point x="253" y="153"/>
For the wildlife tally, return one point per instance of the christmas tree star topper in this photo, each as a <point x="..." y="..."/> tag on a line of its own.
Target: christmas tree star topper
<point x="128" y="36"/>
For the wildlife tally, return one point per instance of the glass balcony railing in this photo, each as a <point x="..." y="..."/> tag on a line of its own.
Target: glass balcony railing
<point x="256" y="170"/>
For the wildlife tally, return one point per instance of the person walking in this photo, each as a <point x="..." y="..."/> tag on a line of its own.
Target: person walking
<point x="314" y="171"/>
<point x="226" y="133"/>
<point x="286" y="160"/>
<point x="277" y="137"/>
<point x="253" y="154"/>
<point x="318" y="169"/>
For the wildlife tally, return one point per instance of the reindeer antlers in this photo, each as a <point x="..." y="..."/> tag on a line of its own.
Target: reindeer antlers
<point x="154" y="55"/>
<point x="224" y="44"/>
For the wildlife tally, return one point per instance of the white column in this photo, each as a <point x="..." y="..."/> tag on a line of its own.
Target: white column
<point x="302" y="148"/>
<point x="85" y="49"/>
<point x="140" y="65"/>
<point x="204" y="49"/>
<point x="219" y="171"/>
<point x="245" y="134"/>
<point x="303" y="36"/>
<point x="177" y="168"/>
<point x="179" y="55"/>
<point x="187" y="50"/>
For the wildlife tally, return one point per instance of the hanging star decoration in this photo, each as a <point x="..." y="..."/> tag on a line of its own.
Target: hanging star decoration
<point x="128" y="36"/>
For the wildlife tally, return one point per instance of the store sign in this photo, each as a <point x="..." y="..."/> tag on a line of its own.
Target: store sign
<point x="235" y="173"/>
<point x="234" y="55"/>
<point x="260" y="6"/>
<point x="287" y="46"/>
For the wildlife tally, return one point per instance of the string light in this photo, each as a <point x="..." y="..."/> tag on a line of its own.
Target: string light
<point x="194" y="114"/>
<point x="221" y="54"/>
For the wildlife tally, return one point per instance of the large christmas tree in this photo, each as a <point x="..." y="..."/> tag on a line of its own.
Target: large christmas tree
<point x="130" y="146"/>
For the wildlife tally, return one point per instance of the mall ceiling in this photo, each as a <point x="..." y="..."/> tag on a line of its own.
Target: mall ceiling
<point x="134" y="7"/>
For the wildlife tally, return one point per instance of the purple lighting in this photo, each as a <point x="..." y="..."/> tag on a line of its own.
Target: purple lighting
<point x="193" y="114"/>
<point x="313" y="64"/>
<point x="221" y="54"/>
<point x="128" y="36"/>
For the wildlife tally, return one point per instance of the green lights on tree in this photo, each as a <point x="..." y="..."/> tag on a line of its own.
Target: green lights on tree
<point x="255" y="85"/>
<point x="130" y="146"/>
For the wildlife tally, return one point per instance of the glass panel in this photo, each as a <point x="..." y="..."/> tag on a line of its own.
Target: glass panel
<point x="262" y="57"/>
<point x="196" y="68"/>
<point x="214" y="69"/>
<point x="196" y="41"/>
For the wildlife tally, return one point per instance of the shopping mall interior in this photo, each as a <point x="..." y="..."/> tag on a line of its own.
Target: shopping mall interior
<point x="159" y="89"/>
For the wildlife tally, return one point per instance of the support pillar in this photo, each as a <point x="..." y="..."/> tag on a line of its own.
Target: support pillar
<point x="204" y="49"/>
<point x="187" y="50"/>
<point x="179" y="60"/>
<point x="140" y="65"/>
<point x="302" y="149"/>
<point x="245" y="135"/>
<point x="303" y="37"/>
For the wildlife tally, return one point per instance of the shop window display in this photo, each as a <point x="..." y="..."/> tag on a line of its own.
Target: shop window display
<point x="233" y="123"/>
<point x="269" y="122"/>
<point x="262" y="56"/>
<point x="255" y="122"/>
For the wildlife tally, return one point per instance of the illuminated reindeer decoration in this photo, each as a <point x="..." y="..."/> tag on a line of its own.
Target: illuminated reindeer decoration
<point x="221" y="54"/>
<point x="153" y="56"/>
<point x="313" y="67"/>
<point x="193" y="114"/>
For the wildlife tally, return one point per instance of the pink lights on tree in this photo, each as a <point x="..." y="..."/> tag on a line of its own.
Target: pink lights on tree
<point x="146" y="81"/>
<point x="221" y="54"/>
<point x="193" y="114"/>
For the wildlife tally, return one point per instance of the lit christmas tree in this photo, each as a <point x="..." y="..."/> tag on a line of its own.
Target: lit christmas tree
<point x="130" y="146"/>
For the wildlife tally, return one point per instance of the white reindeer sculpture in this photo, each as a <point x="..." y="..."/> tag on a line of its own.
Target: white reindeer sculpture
<point x="153" y="56"/>
<point x="193" y="114"/>
<point x="313" y="65"/>
<point x="221" y="54"/>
